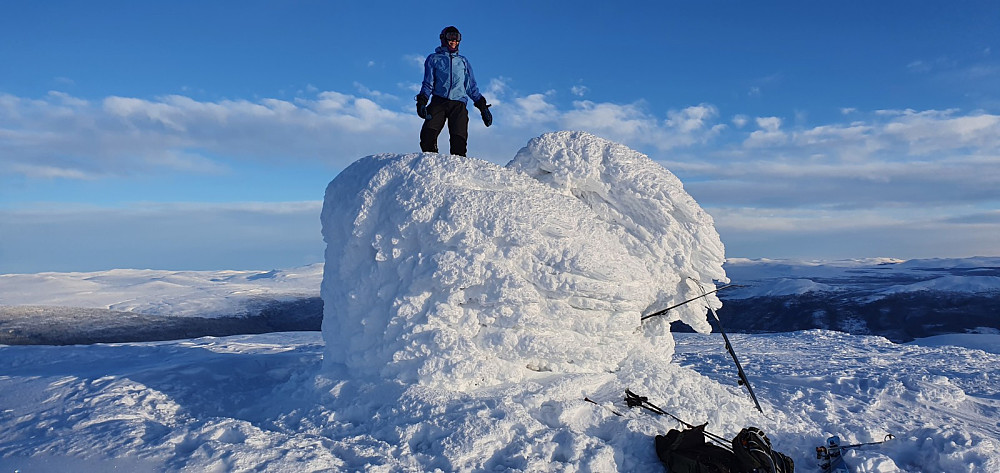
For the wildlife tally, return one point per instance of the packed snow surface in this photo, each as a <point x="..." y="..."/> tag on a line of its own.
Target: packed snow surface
<point x="453" y="271"/>
<point x="255" y="403"/>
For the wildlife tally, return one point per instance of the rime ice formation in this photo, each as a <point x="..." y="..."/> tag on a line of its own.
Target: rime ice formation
<point x="457" y="272"/>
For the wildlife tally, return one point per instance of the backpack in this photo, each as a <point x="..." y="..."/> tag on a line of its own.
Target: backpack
<point x="687" y="452"/>
<point x="752" y="450"/>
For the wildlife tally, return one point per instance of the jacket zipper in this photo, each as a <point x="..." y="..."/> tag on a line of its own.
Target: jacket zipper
<point x="451" y="74"/>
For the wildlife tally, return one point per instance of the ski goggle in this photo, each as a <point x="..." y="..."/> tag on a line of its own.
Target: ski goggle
<point x="453" y="36"/>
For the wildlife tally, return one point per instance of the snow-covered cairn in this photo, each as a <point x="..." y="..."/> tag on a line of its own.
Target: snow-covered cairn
<point x="457" y="272"/>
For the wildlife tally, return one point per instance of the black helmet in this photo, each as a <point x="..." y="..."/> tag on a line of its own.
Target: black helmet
<point x="450" y="33"/>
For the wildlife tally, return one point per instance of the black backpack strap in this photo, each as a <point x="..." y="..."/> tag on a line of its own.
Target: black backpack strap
<point x="687" y="452"/>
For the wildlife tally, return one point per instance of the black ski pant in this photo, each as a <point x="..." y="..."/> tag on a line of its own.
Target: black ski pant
<point x="454" y="112"/>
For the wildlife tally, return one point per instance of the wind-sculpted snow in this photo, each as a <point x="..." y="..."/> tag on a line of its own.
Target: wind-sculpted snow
<point x="457" y="272"/>
<point x="657" y="221"/>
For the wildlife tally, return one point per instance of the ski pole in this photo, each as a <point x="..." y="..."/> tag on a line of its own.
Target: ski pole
<point x="729" y="347"/>
<point x="619" y="414"/>
<point x="664" y="311"/>
<point x="634" y="400"/>
<point x="888" y="437"/>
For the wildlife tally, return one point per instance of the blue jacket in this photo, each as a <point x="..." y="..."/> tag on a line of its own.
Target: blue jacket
<point x="449" y="75"/>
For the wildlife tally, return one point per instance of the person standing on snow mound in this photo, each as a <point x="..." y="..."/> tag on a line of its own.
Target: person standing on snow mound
<point x="448" y="84"/>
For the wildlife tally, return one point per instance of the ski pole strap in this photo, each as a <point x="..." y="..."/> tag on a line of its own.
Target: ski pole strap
<point x="634" y="400"/>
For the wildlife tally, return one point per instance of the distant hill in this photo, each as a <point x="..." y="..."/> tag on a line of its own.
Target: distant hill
<point x="899" y="300"/>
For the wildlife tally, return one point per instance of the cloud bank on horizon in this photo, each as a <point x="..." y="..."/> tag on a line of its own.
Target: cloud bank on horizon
<point x="889" y="173"/>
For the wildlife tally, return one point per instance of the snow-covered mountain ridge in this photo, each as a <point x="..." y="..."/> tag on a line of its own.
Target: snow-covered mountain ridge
<point x="124" y="305"/>
<point x="957" y="295"/>
<point x="900" y="300"/>
<point x="877" y="276"/>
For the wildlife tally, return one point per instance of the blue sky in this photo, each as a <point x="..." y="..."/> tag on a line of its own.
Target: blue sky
<point x="201" y="135"/>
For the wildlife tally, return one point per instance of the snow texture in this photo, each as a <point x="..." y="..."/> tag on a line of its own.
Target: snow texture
<point x="453" y="271"/>
<point x="255" y="403"/>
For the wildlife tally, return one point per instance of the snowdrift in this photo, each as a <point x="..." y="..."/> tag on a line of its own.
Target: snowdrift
<point x="456" y="272"/>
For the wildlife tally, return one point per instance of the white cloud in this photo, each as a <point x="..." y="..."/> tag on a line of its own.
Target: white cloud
<point x="532" y="109"/>
<point x="49" y="172"/>
<point x="938" y="64"/>
<point x="769" y="124"/>
<point x="631" y="123"/>
<point x="884" y="171"/>
<point x="375" y="94"/>
<point x="619" y="122"/>
<point x="856" y="233"/>
<point x="66" y="99"/>
<point x="932" y="132"/>
<point x="882" y="158"/>
<point x="579" y="90"/>
<point x="691" y="119"/>
<point x="898" y="167"/>
<point x="918" y="66"/>
<point x="63" y="136"/>
<point x="769" y="133"/>
<point x="415" y="60"/>
<point x="497" y="89"/>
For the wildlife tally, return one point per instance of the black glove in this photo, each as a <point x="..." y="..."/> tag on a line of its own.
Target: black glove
<point x="484" y="109"/>
<point x="421" y="106"/>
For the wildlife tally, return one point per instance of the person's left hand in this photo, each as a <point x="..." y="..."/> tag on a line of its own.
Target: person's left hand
<point x="421" y="106"/>
<point x="484" y="109"/>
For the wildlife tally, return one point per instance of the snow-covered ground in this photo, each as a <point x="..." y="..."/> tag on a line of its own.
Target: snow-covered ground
<point x="145" y="305"/>
<point x="258" y="403"/>
<point x="469" y="310"/>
